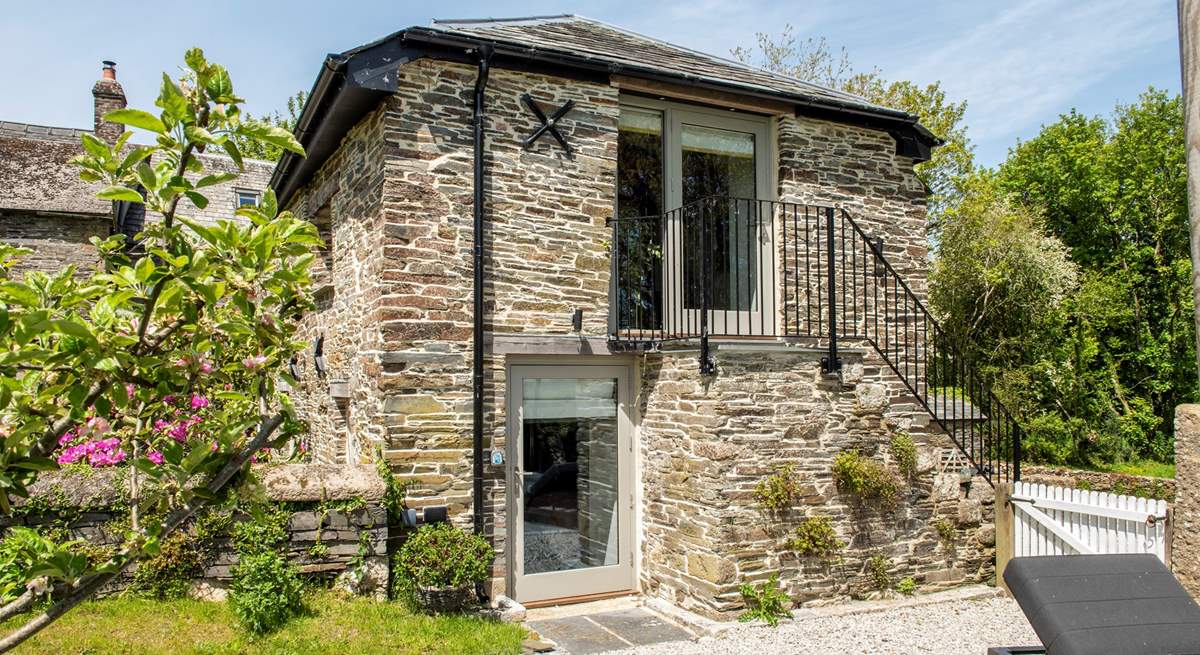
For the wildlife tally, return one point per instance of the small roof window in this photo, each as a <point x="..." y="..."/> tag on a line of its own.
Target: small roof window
<point x="244" y="197"/>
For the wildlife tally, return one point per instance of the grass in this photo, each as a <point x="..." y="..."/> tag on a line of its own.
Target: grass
<point x="1149" y="468"/>
<point x="334" y="624"/>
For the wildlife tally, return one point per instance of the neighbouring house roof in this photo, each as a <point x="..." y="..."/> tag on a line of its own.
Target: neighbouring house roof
<point x="352" y="83"/>
<point x="36" y="174"/>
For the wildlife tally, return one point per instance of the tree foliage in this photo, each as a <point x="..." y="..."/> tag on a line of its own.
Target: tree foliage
<point x="812" y="60"/>
<point x="170" y="361"/>
<point x="1066" y="274"/>
<point x="265" y="150"/>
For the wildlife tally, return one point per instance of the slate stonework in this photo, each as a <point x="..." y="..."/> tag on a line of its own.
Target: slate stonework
<point x="396" y="203"/>
<point x="706" y="444"/>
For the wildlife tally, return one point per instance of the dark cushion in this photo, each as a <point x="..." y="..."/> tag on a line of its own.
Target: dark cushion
<point x="1093" y="604"/>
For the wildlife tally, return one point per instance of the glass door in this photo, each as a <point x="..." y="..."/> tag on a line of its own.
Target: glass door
<point x="725" y="242"/>
<point x="570" y="476"/>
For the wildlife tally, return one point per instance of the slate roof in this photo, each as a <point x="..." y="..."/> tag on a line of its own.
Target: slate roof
<point x="35" y="173"/>
<point x="577" y="35"/>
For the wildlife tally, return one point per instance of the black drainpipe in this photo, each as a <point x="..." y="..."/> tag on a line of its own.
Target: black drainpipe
<point x="485" y="57"/>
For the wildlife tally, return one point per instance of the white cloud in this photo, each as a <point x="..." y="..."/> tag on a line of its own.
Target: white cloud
<point x="1030" y="61"/>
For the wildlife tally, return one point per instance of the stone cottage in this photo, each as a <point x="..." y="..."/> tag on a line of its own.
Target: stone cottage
<point x="581" y="287"/>
<point x="591" y="292"/>
<point x="45" y="207"/>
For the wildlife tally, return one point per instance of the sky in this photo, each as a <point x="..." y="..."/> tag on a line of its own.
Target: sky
<point x="1019" y="64"/>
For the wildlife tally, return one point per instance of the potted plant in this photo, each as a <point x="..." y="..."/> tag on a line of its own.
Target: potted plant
<point x="439" y="565"/>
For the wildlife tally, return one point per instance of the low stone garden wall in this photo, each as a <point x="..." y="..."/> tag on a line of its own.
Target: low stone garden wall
<point x="327" y="519"/>
<point x="1117" y="483"/>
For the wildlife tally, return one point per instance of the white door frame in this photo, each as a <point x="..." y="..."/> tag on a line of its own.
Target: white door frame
<point x="620" y="577"/>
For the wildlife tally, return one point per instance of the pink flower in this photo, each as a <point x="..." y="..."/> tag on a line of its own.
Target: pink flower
<point x="129" y="389"/>
<point x="162" y="425"/>
<point x="254" y="361"/>
<point x="169" y="399"/>
<point x="179" y="432"/>
<point x="155" y="456"/>
<point x="206" y="367"/>
<point x="67" y="438"/>
<point x="303" y="447"/>
<point x="182" y="362"/>
<point x="215" y="447"/>
<point x="199" y="402"/>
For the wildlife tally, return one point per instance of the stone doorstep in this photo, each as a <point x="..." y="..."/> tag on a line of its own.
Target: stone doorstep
<point x="706" y="627"/>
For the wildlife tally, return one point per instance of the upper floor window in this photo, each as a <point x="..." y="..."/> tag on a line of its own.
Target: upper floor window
<point x="244" y="197"/>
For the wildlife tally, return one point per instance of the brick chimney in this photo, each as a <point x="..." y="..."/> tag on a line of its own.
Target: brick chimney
<point x="109" y="96"/>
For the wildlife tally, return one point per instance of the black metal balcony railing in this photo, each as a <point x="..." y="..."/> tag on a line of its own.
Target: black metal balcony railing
<point x="745" y="268"/>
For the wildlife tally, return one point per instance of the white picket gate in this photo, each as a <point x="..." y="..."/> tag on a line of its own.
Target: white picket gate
<point x="1050" y="520"/>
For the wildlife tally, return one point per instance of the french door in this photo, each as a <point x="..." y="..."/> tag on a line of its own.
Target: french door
<point x="570" y="473"/>
<point x="715" y="248"/>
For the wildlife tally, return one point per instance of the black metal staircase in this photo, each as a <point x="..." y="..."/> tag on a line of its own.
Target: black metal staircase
<point x="760" y="269"/>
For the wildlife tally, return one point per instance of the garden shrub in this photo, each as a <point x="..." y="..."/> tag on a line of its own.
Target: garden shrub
<point x="168" y="574"/>
<point x="766" y="602"/>
<point x="907" y="586"/>
<point x="262" y="531"/>
<point x="865" y="478"/>
<point x="20" y="550"/>
<point x="266" y="592"/>
<point x="778" y="492"/>
<point x="877" y="573"/>
<point x="440" y="555"/>
<point x="815" y="537"/>
<point x="905" y="452"/>
<point x="947" y="533"/>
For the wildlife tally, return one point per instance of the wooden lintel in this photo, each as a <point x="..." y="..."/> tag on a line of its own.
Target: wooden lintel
<point x="705" y="96"/>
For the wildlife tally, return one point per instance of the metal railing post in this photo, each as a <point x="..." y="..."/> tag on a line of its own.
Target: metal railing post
<point x="831" y="363"/>
<point x="707" y="365"/>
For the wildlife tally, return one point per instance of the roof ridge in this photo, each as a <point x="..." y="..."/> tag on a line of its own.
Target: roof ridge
<point x="545" y="18"/>
<point x="725" y="60"/>
<point x="452" y="24"/>
<point x="40" y="132"/>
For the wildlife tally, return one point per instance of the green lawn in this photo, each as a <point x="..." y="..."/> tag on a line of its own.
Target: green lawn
<point x="1145" y="467"/>
<point x="334" y="625"/>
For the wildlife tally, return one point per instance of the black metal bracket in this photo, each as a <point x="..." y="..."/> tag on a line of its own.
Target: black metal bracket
<point x="549" y="124"/>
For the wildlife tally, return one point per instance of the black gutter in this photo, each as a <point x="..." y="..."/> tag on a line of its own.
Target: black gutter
<point x="485" y="62"/>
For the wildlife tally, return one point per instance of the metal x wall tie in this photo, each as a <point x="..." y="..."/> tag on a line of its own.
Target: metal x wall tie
<point x="548" y="124"/>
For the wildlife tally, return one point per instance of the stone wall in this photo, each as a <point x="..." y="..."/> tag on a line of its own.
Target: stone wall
<point x="1117" y="483"/>
<point x="706" y="445"/>
<point x="399" y="195"/>
<point x="337" y="507"/>
<point x="1185" y="539"/>
<point x="56" y="241"/>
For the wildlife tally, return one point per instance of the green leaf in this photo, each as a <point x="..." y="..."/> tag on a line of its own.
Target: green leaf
<point x="36" y="464"/>
<point x="272" y="134"/>
<point x="95" y="146"/>
<point x="231" y="149"/>
<point x="19" y="293"/>
<point x="72" y="329"/>
<point x="194" y="58"/>
<point x="199" y="134"/>
<point x="136" y="118"/>
<point x="217" y="178"/>
<point x="197" y="199"/>
<point x="124" y="194"/>
<point x="219" y="87"/>
<point x="144" y="269"/>
<point x="146" y="176"/>
<point x="171" y="100"/>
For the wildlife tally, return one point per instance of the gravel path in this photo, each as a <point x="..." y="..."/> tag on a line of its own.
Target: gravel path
<point x="955" y="627"/>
